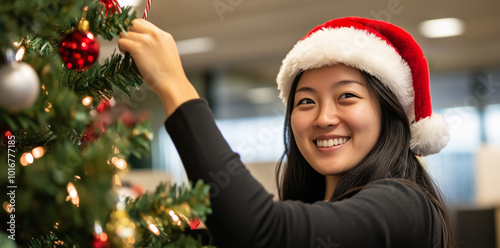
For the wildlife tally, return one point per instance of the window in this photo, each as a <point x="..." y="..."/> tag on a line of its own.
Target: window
<point x="492" y="124"/>
<point x="257" y="139"/>
<point x="453" y="168"/>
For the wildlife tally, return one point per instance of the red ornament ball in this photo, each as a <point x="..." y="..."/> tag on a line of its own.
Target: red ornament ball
<point x="6" y="137"/>
<point x="79" y="50"/>
<point x="110" y="5"/>
<point x="104" y="105"/>
<point x="194" y="223"/>
<point x="100" y="241"/>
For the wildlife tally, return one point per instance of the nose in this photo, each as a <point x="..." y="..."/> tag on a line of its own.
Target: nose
<point x="326" y="117"/>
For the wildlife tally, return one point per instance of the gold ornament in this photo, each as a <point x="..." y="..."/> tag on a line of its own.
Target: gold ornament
<point x="120" y="227"/>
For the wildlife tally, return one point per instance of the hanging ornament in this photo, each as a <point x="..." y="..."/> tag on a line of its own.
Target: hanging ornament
<point x="7" y="135"/>
<point x="146" y="11"/>
<point x="111" y="6"/>
<point x="194" y="223"/>
<point x="89" y="136"/>
<point x="104" y="105"/>
<point x="100" y="238"/>
<point x="19" y="85"/>
<point x="98" y="241"/>
<point x="128" y="118"/>
<point x="121" y="227"/>
<point x="79" y="49"/>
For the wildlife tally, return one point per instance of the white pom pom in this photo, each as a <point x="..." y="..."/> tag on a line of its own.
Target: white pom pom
<point x="429" y="135"/>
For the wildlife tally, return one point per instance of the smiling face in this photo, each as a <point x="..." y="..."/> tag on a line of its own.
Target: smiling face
<point x="335" y="118"/>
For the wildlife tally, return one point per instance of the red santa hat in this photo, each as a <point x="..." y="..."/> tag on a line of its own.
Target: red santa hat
<point x="384" y="51"/>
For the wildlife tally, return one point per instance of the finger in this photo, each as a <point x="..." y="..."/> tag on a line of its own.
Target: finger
<point x="125" y="45"/>
<point x="132" y="36"/>
<point x="143" y="26"/>
<point x="138" y="26"/>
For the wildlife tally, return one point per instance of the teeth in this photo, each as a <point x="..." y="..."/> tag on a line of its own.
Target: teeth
<point x="331" y="142"/>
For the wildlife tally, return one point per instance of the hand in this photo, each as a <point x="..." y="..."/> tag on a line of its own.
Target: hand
<point x="155" y="53"/>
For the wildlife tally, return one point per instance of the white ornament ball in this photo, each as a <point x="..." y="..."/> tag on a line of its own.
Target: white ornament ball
<point x="19" y="86"/>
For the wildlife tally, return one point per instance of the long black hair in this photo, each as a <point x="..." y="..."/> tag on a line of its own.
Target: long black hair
<point x="391" y="157"/>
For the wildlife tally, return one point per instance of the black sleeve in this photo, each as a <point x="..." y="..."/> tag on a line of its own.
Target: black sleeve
<point x="385" y="213"/>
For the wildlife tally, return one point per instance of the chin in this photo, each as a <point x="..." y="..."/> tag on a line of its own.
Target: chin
<point x="330" y="169"/>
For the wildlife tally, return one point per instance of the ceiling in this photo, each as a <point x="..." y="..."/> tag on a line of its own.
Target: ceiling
<point x="255" y="35"/>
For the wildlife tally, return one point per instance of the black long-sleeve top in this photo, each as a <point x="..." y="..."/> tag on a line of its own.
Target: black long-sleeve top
<point x="385" y="213"/>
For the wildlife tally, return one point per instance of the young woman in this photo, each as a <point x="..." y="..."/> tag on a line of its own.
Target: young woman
<point x="358" y="115"/>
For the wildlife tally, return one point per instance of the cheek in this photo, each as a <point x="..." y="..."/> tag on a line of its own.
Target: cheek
<point x="295" y="123"/>
<point x="365" y="120"/>
<point x="298" y="124"/>
<point x="375" y="122"/>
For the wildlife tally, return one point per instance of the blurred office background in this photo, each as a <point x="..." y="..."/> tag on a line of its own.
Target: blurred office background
<point x="232" y="51"/>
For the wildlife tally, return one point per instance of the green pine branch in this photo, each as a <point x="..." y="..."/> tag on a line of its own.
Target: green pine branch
<point x="40" y="46"/>
<point x="99" y="81"/>
<point x="57" y="120"/>
<point x="26" y="141"/>
<point x="158" y="208"/>
<point x="23" y="18"/>
<point x="58" y="112"/>
<point x="107" y="27"/>
<point x="46" y="241"/>
<point x="135" y="140"/>
<point x="42" y="201"/>
<point x="110" y="25"/>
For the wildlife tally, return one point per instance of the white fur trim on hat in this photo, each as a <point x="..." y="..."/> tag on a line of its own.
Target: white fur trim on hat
<point x="353" y="47"/>
<point x="429" y="135"/>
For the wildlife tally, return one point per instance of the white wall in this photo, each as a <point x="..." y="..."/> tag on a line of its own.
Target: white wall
<point x="488" y="176"/>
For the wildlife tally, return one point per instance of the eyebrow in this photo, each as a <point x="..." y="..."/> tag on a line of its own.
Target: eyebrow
<point x="336" y="85"/>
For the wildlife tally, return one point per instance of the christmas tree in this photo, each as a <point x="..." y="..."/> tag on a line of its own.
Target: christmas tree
<point x="64" y="144"/>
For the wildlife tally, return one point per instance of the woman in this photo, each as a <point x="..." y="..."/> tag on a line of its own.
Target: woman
<point x="352" y="87"/>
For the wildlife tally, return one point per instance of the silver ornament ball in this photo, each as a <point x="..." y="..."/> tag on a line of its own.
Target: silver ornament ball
<point x="19" y="86"/>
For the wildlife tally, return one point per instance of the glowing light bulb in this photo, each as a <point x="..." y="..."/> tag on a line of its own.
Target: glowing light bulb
<point x="49" y="106"/>
<point x="154" y="229"/>
<point x="119" y="163"/>
<point x="87" y="101"/>
<point x="73" y="194"/>
<point x="26" y="159"/>
<point x="20" y="53"/>
<point x="7" y="207"/>
<point x="103" y="237"/>
<point x="38" y="152"/>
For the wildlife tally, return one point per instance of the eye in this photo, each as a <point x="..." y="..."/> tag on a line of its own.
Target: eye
<point x="347" y="95"/>
<point x="305" y="101"/>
